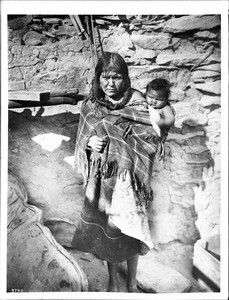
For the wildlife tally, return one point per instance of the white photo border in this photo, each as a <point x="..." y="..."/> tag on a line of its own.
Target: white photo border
<point x="115" y="7"/>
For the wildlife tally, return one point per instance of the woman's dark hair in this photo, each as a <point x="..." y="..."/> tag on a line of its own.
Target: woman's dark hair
<point x="160" y="85"/>
<point x="110" y="61"/>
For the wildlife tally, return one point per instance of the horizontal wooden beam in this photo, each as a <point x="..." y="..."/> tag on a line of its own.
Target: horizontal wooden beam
<point x="28" y="96"/>
<point x="52" y="101"/>
<point x="40" y="96"/>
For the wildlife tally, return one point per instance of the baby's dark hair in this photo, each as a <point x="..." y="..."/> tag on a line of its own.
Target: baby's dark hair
<point x="159" y="84"/>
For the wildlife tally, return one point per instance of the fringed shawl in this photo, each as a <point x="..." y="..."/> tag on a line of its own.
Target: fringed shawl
<point x="132" y="143"/>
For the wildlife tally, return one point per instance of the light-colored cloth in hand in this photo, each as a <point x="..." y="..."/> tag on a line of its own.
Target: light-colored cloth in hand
<point x="154" y="118"/>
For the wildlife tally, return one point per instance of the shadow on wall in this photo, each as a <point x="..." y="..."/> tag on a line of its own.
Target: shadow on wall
<point x="45" y="169"/>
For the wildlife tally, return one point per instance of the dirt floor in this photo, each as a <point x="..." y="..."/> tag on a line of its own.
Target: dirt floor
<point x="97" y="274"/>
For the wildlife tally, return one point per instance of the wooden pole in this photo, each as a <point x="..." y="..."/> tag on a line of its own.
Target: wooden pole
<point x="52" y="101"/>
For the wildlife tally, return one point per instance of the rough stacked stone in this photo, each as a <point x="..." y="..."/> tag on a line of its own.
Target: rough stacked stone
<point x="187" y="23"/>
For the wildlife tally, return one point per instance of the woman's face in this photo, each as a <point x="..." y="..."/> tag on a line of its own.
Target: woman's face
<point x="112" y="84"/>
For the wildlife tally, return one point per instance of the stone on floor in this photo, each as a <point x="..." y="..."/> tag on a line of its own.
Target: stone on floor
<point x="155" y="277"/>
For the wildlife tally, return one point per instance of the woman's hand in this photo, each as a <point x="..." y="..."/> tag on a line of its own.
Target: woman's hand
<point x="97" y="143"/>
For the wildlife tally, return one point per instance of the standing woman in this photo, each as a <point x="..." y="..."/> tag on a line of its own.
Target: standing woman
<point x="115" y="148"/>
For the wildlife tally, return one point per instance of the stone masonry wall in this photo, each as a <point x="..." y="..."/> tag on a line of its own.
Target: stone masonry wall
<point x="46" y="54"/>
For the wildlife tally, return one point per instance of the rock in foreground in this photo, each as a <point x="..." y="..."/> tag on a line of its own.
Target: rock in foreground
<point x="35" y="261"/>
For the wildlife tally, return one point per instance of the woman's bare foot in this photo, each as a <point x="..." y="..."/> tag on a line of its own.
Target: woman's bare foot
<point x="113" y="287"/>
<point x="131" y="275"/>
<point x="113" y="277"/>
<point x="132" y="287"/>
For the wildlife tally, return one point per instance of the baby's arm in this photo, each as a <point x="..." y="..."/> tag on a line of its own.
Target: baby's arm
<point x="167" y="117"/>
<point x="137" y="96"/>
<point x="137" y="101"/>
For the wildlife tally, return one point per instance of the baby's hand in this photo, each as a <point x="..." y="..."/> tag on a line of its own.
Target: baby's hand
<point x="97" y="143"/>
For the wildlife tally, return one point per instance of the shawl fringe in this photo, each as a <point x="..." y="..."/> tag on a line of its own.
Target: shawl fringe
<point x="112" y="169"/>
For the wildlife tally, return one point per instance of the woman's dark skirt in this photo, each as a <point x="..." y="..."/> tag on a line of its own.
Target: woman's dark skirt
<point x="95" y="235"/>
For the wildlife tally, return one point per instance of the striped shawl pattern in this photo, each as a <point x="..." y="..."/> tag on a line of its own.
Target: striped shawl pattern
<point x="132" y="143"/>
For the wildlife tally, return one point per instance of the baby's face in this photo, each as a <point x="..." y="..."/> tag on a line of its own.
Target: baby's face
<point x="156" y="99"/>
